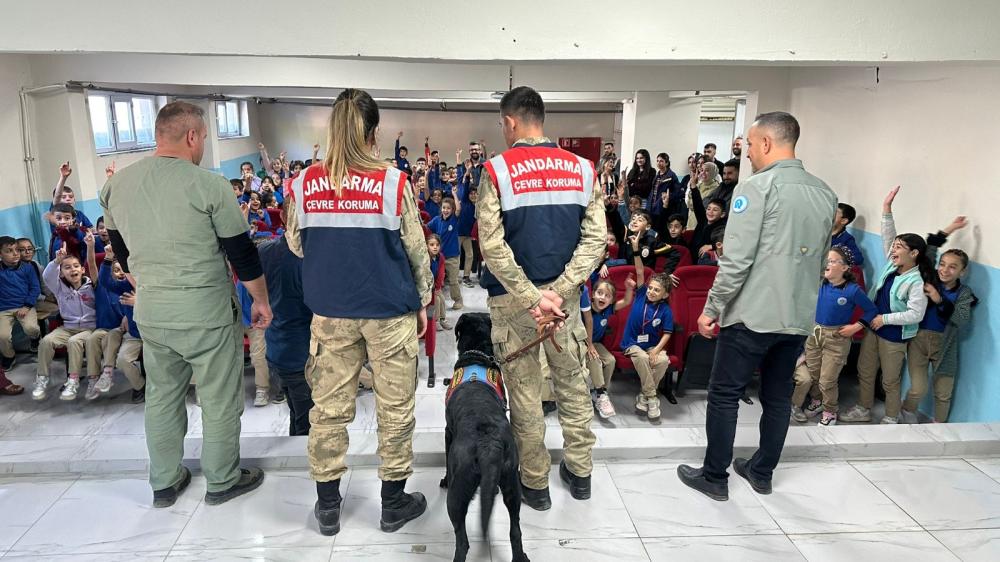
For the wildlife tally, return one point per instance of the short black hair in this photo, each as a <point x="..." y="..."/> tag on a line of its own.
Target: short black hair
<point x="783" y="126"/>
<point x="644" y="215"/>
<point x="421" y="159"/>
<point x="848" y="212"/>
<point x="732" y="163"/>
<point x="32" y="242"/>
<point x="524" y="103"/>
<point x="247" y="164"/>
<point x="678" y="218"/>
<point x="710" y="145"/>
<point x="402" y="148"/>
<point x="7" y="241"/>
<point x="720" y="202"/>
<point x="665" y="156"/>
<point x="433" y="152"/>
<point x="236" y="182"/>
<point x="64" y="208"/>
<point x="611" y="144"/>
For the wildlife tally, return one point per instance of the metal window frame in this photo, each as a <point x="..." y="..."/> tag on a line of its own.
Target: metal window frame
<point x="222" y="119"/>
<point x="110" y="98"/>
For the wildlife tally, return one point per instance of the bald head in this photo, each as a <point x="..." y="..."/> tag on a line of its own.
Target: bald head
<point x="177" y="118"/>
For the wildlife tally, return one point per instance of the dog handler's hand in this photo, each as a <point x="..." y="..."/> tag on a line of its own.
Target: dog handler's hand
<point x="706" y="326"/>
<point x="421" y="322"/>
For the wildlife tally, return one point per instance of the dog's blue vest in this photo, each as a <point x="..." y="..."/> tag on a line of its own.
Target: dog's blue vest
<point x="478" y="373"/>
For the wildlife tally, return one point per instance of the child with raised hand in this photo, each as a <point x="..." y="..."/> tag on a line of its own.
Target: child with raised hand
<point x="600" y="361"/>
<point x="710" y="217"/>
<point x="446" y="227"/>
<point x="64" y="194"/>
<point x="830" y="343"/>
<point x="74" y="292"/>
<point x="437" y="272"/>
<point x="257" y="215"/>
<point x="106" y="339"/>
<point x="649" y="326"/>
<point x="899" y="297"/>
<point x="949" y="308"/>
<point x="640" y="228"/>
<point x="19" y="291"/>
<point x="67" y="233"/>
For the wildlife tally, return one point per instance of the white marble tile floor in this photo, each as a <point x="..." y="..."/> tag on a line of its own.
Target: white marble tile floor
<point x="819" y="511"/>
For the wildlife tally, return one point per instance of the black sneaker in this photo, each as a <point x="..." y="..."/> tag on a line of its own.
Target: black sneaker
<point x="538" y="500"/>
<point x="7" y="363"/>
<point x="139" y="396"/>
<point x="250" y="480"/>
<point x="695" y="478"/>
<point x="398" y="507"/>
<point x="279" y="398"/>
<point x="759" y="486"/>
<point x="548" y="407"/>
<point x="328" y="517"/>
<point x="579" y="486"/>
<point x="168" y="496"/>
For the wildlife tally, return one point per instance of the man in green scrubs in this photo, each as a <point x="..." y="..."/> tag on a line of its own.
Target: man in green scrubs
<point x="173" y="226"/>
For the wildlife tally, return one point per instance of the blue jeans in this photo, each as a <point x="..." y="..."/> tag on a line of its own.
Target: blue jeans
<point x="299" y="398"/>
<point x="738" y="354"/>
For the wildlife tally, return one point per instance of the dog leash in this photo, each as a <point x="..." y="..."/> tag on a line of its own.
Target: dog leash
<point x="546" y="331"/>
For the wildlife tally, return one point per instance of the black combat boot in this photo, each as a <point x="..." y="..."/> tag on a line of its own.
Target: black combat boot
<point x="328" y="507"/>
<point x="398" y="507"/>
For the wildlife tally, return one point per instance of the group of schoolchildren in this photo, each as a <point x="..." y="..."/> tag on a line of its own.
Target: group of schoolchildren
<point x="94" y="302"/>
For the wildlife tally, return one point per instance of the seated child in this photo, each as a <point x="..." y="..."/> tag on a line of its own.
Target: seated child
<point x="600" y="361"/>
<point x="106" y="339"/>
<point x="131" y="349"/>
<point x="46" y="304"/>
<point x="68" y="234"/>
<point x="949" y="308"/>
<point x="75" y="294"/>
<point x="710" y="218"/>
<point x="899" y="297"/>
<point x="840" y="237"/>
<point x="64" y="194"/>
<point x="639" y="229"/>
<point x="712" y="256"/>
<point x="829" y="345"/>
<point x="634" y="204"/>
<point x="19" y="291"/>
<point x="258" y="216"/>
<point x="267" y="187"/>
<point x="666" y="241"/>
<point x="650" y="324"/>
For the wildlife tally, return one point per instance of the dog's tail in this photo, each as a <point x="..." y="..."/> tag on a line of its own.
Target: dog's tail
<point x="490" y="455"/>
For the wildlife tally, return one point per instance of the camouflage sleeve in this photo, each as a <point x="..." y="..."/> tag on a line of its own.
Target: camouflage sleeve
<point x="590" y="250"/>
<point x="498" y="255"/>
<point x="416" y="246"/>
<point x="292" y="234"/>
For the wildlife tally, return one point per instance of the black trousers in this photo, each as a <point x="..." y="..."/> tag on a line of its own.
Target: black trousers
<point x="738" y="354"/>
<point x="298" y="396"/>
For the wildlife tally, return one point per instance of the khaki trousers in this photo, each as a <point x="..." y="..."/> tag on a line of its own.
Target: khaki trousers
<point x="451" y="279"/>
<point x="601" y="368"/>
<point x="258" y="356"/>
<point x="513" y="327"/>
<point x="923" y="351"/>
<point x="826" y="355"/>
<point x="650" y="369"/>
<point x="73" y="339"/>
<point x="804" y="385"/>
<point x="337" y="351"/>
<point x="439" y="307"/>
<point x="877" y="352"/>
<point x="466" y="243"/>
<point x="127" y="361"/>
<point x="102" y="350"/>
<point x="29" y="324"/>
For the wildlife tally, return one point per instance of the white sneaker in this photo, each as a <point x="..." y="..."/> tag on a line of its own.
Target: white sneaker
<point x="856" y="414"/>
<point x="653" y="408"/>
<point x="640" y="403"/>
<point x="829" y="418"/>
<point x="69" y="389"/>
<point x="798" y="415"/>
<point x="261" y="398"/>
<point x="104" y="383"/>
<point x="92" y="392"/>
<point x="41" y="390"/>
<point x="605" y="408"/>
<point x="908" y="417"/>
<point x="814" y="409"/>
<point x="444" y="325"/>
<point x="888" y="419"/>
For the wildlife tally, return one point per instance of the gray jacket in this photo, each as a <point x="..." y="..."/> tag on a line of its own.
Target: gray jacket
<point x="774" y="251"/>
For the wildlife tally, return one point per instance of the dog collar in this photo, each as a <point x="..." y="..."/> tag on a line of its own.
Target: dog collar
<point x="489" y="376"/>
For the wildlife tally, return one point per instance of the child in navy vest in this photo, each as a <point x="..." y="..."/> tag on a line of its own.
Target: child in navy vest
<point x="650" y="324"/>
<point x="600" y="361"/>
<point x="830" y="343"/>
<point x="446" y="227"/>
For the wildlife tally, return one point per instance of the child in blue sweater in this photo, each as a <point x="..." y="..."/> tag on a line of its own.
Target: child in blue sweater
<point x="830" y="343"/>
<point x="840" y="237"/>
<point x="600" y="361"/>
<point x="899" y="297"/>
<point x="19" y="290"/>
<point x="106" y="339"/>
<point x="649" y="326"/>
<point x="446" y="227"/>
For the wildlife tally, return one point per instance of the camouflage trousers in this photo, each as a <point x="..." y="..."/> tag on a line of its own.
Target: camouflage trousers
<point x="513" y="327"/>
<point x="337" y="351"/>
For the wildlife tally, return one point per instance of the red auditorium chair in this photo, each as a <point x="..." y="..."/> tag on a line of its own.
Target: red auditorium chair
<point x="688" y="235"/>
<point x="687" y="301"/>
<point x="613" y="340"/>
<point x="619" y="273"/>
<point x="275" y="216"/>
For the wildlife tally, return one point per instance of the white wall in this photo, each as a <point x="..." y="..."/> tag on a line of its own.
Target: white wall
<point x="663" y="124"/>
<point x="775" y="30"/>
<point x="296" y="128"/>
<point x="719" y="132"/>
<point x="14" y="73"/>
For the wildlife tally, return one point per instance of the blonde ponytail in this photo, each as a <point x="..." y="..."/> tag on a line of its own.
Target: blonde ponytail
<point x="353" y="122"/>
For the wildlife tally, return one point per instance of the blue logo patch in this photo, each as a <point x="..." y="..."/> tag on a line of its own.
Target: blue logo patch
<point x="740" y="204"/>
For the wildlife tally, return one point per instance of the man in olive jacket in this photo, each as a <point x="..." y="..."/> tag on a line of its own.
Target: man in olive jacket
<point x="764" y="300"/>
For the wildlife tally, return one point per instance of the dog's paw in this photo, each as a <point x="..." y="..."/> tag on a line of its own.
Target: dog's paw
<point x="444" y="482"/>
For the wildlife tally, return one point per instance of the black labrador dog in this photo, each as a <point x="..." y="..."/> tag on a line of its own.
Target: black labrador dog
<point x="478" y="440"/>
